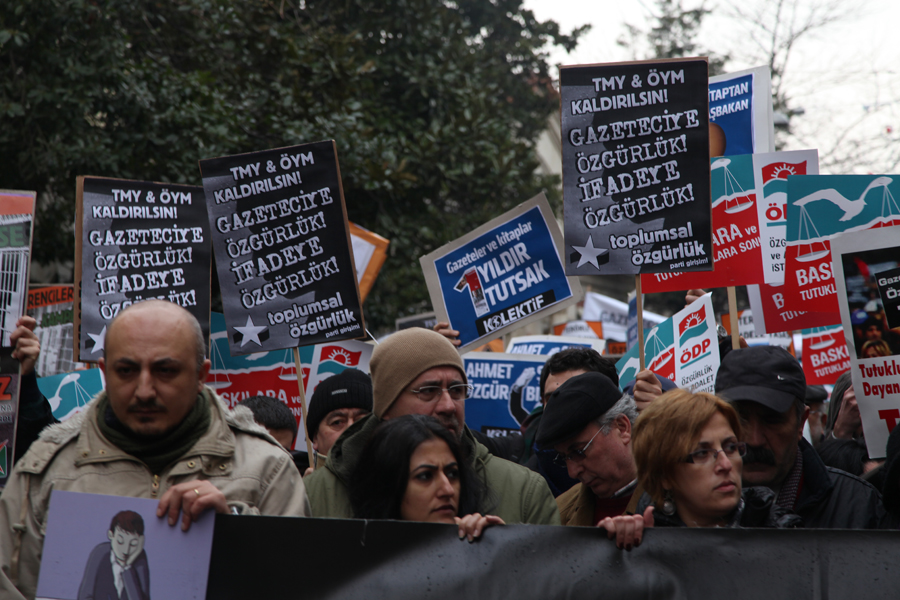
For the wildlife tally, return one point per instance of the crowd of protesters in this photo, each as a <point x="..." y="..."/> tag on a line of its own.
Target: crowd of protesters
<point x="395" y="445"/>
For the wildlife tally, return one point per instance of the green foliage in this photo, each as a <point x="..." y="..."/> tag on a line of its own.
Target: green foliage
<point x="435" y="106"/>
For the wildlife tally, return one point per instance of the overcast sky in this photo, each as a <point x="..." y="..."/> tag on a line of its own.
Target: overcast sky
<point x="835" y="74"/>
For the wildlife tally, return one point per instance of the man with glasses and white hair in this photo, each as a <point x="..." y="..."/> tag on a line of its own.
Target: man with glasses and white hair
<point x="588" y="421"/>
<point x="418" y="371"/>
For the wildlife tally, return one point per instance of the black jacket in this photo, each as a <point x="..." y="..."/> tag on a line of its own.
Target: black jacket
<point x="757" y="509"/>
<point x="834" y="499"/>
<point x="35" y="413"/>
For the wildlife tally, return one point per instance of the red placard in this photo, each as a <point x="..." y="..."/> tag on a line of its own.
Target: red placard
<point x="735" y="241"/>
<point x="776" y="317"/>
<point x="825" y="355"/>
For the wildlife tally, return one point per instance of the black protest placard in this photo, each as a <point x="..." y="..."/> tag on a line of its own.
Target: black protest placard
<point x="135" y="241"/>
<point x="635" y="158"/>
<point x="282" y="246"/>
<point x="889" y="290"/>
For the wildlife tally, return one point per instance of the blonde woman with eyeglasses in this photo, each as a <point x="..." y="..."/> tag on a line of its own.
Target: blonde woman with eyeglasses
<point x="688" y="455"/>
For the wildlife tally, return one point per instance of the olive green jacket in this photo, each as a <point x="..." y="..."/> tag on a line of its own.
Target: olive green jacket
<point x="522" y="495"/>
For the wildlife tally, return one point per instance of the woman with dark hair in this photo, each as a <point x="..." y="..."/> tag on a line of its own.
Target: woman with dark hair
<point x="688" y="456"/>
<point x="413" y="469"/>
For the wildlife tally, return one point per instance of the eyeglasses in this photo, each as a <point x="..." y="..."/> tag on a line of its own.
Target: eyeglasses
<point x="574" y="456"/>
<point x="428" y="393"/>
<point x="708" y="455"/>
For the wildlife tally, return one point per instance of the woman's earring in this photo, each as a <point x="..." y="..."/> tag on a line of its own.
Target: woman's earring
<point x="668" y="507"/>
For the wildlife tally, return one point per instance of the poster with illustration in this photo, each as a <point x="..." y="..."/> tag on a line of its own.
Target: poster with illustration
<point x="865" y="262"/>
<point x="501" y="276"/>
<point x="683" y="348"/>
<point x="116" y="547"/>
<point x="635" y="163"/>
<point x="16" y="226"/>
<point x="52" y="306"/>
<point x="770" y="173"/>
<point x="134" y="241"/>
<point x="735" y="241"/>
<point x="740" y="113"/>
<point x="819" y="207"/>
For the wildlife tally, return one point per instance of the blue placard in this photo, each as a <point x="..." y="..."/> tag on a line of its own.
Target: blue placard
<point x="546" y="345"/>
<point x="499" y="276"/>
<point x="731" y="108"/>
<point x="506" y="389"/>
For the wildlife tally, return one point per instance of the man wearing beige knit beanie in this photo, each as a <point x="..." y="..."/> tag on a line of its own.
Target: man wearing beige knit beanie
<point x="418" y="371"/>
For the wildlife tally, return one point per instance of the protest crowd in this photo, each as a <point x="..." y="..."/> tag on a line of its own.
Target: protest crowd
<point x="621" y="461"/>
<point x="689" y="428"/>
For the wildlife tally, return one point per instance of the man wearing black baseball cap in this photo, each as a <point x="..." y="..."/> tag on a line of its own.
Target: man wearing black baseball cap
<point x="767" y="387"/>
<point x="588" y="422"/>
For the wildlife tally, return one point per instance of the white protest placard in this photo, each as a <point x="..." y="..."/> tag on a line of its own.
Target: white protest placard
<point x="875" y="354"/>
<point x="690" y="358"/>
<point x="614" y="316"/>
<point x="770" y="173"/>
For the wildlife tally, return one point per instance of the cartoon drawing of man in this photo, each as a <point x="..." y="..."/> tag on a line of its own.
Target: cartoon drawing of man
<point x="118" y="569"/>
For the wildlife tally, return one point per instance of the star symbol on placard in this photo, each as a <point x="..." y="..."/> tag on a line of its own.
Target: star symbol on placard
<point x="589" y="253"/>
<point x="250" y="332"/>
<point x="98" y="340"/>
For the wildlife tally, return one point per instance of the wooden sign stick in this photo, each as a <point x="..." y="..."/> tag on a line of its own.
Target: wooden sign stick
<point x="309" y="448"/>
<point x="733" y="318"/>
<point x="640" y="320"/>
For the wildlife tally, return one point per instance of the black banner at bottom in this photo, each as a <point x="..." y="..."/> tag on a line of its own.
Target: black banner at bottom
<point x="270" y="557"/>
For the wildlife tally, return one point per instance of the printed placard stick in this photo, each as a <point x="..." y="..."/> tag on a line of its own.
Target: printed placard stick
<point x="640" y="319"/>
<point x="309" y="448"/>
<point x="733" y="318"/>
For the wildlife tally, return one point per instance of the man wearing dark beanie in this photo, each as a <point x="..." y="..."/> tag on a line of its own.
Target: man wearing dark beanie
<point x="588" y="422"/>
<point x="418" y="371"/>
<point x="337" y="403"/>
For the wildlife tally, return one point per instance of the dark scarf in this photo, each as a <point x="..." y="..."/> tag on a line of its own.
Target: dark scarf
<point x="790" y="489"/>
<point x="156" y="451"/>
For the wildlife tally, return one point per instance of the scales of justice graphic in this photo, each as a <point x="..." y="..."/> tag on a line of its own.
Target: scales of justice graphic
<point x="817" y="246"/>
<point x="822" y="339"/>
<point x="736" y="198"/>
<point x="220" y="376"/>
